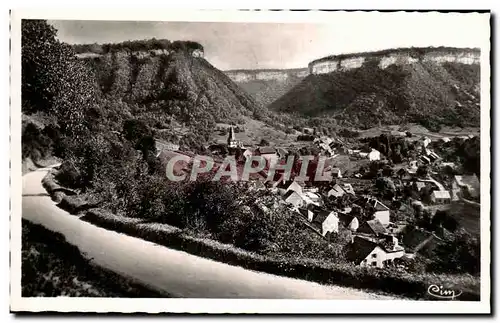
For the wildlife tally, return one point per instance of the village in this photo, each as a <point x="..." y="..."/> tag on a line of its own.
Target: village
<point x="379" y="238"/>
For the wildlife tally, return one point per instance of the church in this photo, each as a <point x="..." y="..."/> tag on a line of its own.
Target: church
<point x="231" y="140"/>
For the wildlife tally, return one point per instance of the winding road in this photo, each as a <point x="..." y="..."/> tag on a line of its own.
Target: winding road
<point x="175" y="272"/>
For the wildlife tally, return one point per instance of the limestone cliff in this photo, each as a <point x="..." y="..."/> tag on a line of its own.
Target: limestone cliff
<point x="428" y="85"/>
<point x="265" y="86"/>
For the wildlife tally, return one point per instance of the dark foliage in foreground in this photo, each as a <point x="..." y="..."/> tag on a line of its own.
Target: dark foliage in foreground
<point x="51" y="267"/>
<point x="325" y="271"/>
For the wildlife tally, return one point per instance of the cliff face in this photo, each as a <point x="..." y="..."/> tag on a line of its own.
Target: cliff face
<point x="400" y="57"/>
<point x="171" y="83"/>
<point x="426" y="85"/>
<point x="265" y="86"/>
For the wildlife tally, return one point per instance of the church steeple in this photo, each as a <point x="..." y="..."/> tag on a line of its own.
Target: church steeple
<point x="231" y="139"/>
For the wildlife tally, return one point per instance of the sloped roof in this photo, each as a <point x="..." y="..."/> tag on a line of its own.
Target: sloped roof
<point x="377" y="205"/>
<point x="322" y="215"/>
<point x="266" y="150"/>
<point x="345" y="219"/>
<point x="282" y="151"/>
<point x="441" y="194"/>
<point x="336" y="191"/>
<point x="348" y="188"/>
<point x="360" y="249"/>
<point x="420" y="185"/>
<point x="290" y="185"/>
<point x="293" y="197"/>
<point x="304" y="212"/>
<point x="376" y="226"/>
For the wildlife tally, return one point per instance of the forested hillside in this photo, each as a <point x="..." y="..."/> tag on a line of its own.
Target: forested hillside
<point x="423" y="91"/>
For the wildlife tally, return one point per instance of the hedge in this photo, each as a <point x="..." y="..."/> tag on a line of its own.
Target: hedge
<point x="404" y="284"/>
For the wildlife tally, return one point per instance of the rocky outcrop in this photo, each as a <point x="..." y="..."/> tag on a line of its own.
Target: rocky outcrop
<point x="265" y="86"/>
<point x="266" y="75"/>
<point x="430" y="86"/>
<point x="398" y="57"/>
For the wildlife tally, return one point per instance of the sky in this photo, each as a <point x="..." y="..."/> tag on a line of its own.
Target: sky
<point x="230" y="45"/>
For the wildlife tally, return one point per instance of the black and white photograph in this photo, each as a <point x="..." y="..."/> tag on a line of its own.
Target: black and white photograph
<point x="217" y="156"/>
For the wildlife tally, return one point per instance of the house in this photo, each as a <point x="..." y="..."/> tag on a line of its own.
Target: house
<point x="440" y="197"/>
<point x="348" y="189"/>
<point x="313" y="197"/>
<point x="372" y="227"/>
<point x="396" y="133"/>
<point x="381" y="212"/>
<point x="307" y="213"/>
<point x="364" y="252"/>
<point x="326" y="222"/>
<point x="374" y="155"/>
<point x="348" y="221"/>
<point x="376" y="208"/>
<point x="433" y="156"/>
<point x="285" y="187"/>
<point x="163" y="145"/>
<point x="352" y="151"/>
<point x="466" y="185"/>
<point x="309" y="189"/>
<point x="266" y="152"/>
<point x="396" y="228"/>
<point x="425" y="160"/>
<point x="404" y="174"/>
<point x="426" y="141"/>
<point x="294" y="199"/>
<point x="419" y="185"/>
<point x="445" y="139"/>
<point x="336" y="191"/>
<point x="336" y="173"/>
<point x="281" y="152"/>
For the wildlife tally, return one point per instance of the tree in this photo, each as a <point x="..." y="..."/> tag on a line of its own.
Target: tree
<point x="423" y="171"/>
<point x="264" y="142"/>
<point x="40" y="53"/>
<point x="459" y="253"/>
<point x="55" y="81"/>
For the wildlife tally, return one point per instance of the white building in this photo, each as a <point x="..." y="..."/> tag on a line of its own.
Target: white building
<point x="441" y="197"/>
<point x="326" y="222"/>
<point x="374" y="155"/>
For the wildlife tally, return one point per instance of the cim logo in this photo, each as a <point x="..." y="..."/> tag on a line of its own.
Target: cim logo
<point x="443" y="293"/>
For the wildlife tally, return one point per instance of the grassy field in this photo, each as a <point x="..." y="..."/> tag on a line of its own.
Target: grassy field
<point x="255" y="131"/>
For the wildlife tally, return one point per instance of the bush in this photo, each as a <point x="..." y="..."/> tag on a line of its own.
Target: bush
<point x="324" y="271"/>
